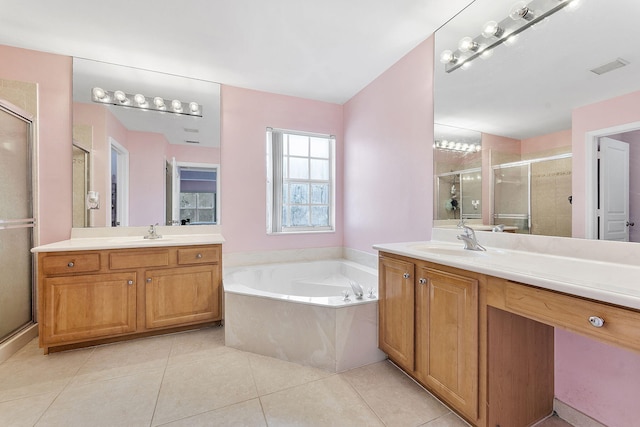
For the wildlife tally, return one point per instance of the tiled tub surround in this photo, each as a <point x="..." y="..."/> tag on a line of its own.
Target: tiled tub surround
<point x="296" y="312"/>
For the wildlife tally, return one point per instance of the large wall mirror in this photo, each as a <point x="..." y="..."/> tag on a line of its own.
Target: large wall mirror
<point x="504" y="149"/>
<point x="140" y="158"/>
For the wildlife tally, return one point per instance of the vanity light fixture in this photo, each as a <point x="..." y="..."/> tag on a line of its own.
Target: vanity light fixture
<point x="457" y="146"/>
<point x="522" y="16"/>
<point x="142" y="102"/>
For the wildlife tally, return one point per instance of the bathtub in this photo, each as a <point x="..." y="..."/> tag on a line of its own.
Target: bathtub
<point x="297" y="312"/>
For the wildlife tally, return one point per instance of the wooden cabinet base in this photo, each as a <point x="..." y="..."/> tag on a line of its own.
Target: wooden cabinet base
<point x="120" y="338"/>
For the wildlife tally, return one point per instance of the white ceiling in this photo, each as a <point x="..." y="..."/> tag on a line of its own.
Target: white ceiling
<point x="326" y="50"/>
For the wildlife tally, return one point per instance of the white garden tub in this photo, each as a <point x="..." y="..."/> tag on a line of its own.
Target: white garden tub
<point x="297" y="312"/>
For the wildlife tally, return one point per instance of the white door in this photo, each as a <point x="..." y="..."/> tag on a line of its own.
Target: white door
<point x="614" y="190"/>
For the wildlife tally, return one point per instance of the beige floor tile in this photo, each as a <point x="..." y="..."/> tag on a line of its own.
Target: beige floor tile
<point x="196" y="387"/>
<point x="448" y="420"/>
<point x="273" y="375"/>
<point x="394" y="397"/>
<point x="125" y="358"/>
<point x="33" y="374"/>
<point x="553" y="421"/>
<point x="242" y="414"/>
<point x="25" y="411"/>
<point x="197" y="345"/>
<point x="125" y="401"/>
<point x="327" y="402"/>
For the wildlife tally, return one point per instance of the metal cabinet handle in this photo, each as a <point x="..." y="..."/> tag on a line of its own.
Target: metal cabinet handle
<point x="596" y="321"/>
<point x="199" y="256"/>
<point x="149" y="279"/>
<point x="71" y="264"/>
<point x="422" y="281"/>
<point x="130" y="282"/>
<point x="406" y="275"/>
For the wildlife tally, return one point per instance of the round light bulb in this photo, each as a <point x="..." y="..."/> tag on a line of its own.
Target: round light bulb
<point x="447" y="57"/>
<point x="98" y="93"/>
<point x="176" y="105"/>
<point x="492" y="29"/>
<point x="467" y="44"/>
<point x="140" y="99"/>
<point x="520" y="10"/>
<point x="120" y="96"/>
<point x="158" y="102"/>
<point x="194" y="107"/>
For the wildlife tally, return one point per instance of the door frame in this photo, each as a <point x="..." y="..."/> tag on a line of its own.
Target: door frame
<point x="176" y="188"/>
<point x="591" y="173"/>
<point x="122" y="179"/>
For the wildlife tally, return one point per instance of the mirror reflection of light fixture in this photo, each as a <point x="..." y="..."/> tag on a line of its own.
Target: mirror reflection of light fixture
<point x="521" y="16"/>
<point x="140" y="101"/>
<point x="444" y="144"/>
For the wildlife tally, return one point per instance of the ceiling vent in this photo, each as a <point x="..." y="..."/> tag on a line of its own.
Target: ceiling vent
<point x="613" y="65"/>
<point x="192" y="142"/>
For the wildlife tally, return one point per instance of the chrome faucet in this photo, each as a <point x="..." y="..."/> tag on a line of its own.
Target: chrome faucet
<point x="152" y="232"/>
<point x="357" y="289"/>
<point x="470" y="240"/>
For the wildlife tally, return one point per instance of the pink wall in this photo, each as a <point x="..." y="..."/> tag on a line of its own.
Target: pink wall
<point x="246" y="114"/>
<point x="546" y="142"/>
<point x="52" y="73"/>
<point x="597" y="379"/>
<point x="146" y="177"/>
<point x="389" y="155"/>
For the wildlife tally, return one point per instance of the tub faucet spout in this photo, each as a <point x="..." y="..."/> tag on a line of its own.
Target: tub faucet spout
<point x="470" y="240"/>
<point x="357" y="289"/>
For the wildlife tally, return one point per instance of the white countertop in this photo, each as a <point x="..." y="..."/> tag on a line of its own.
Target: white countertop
<point x="607" y="281"/>
<point x="97" y="238"/>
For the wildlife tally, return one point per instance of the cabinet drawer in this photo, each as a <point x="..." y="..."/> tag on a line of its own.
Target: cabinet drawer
<point x="199" y="255"/>
<point x="573" y="313"/>
<point x="70" y="263"/>
<point x="139" y="259"/>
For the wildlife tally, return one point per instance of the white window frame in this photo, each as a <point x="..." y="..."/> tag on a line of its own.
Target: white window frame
<point x="275" y="182"/>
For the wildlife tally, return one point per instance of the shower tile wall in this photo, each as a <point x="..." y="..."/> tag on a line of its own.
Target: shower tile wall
<point x="550" y="190"/>
<point x="21" y="94"/>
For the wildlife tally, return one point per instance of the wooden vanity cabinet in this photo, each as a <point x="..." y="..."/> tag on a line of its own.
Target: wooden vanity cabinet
<point x="428" y="325"/>
<point x="492" y="367"/>
<point x="89" y="297"/>
<point x="396" y="308"/>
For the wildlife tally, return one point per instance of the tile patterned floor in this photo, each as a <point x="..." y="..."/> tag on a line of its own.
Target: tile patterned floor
<point x="192" y="379"/>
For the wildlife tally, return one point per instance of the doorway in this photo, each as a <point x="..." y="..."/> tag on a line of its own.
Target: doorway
<point x="119" y="179"/>
<point x="599" y="196"/>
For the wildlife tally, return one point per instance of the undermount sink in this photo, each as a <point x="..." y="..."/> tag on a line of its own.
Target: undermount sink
<point x="448" y="251"/>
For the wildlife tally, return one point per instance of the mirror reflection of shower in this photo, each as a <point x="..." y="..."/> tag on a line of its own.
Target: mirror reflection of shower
<point x="459" y="195"/>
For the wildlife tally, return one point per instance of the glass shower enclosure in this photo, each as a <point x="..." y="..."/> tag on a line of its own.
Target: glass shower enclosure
<point x="17" y="309"/>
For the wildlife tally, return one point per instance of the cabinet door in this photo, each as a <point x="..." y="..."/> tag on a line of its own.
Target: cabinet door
<point x="77" y="308"/>
<point x="447" y="337"/>
<point x="396" y="308"/>
<point x="183" y="295"/>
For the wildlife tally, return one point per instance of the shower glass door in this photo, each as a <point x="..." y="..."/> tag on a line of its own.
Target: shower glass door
<point x="511" y="196"/>
<point x="16" y="222"/>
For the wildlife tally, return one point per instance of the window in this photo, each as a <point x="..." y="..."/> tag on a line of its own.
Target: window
<point x="197" y="195"/>
<point x="300" y="181"/>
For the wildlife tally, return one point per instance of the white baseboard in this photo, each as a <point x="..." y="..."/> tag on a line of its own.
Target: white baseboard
<point x="16" y="342"/>
<point x="573" y="416"/>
